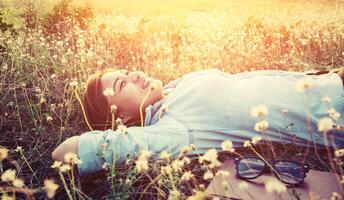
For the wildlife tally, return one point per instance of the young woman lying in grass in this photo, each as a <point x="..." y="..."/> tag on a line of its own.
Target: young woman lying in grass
<point x="204" y="108"/>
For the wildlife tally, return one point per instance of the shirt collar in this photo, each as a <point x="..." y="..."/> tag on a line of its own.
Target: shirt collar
<point x="151" y="111"/>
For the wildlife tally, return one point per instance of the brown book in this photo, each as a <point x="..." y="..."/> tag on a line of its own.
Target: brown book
<point x="318" y="184"/>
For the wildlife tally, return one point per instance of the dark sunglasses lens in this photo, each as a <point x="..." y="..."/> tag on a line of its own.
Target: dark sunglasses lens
<point x="289" y="172"/>
<point x="250" y="167"/>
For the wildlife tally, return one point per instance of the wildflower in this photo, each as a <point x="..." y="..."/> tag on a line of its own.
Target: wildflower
<point x="53" y="76"/>
<point x="339" y="153"/>
<point x="225" y="184"/>
<point x="256" y="139"/>
<point x="141" y="165"/>
<point x="223" y="173"/>
<point x="18" y="183"/>
<point x="177" y="165"/>
<point x="184" y="150"/>
<point x="122" y="129"/>
<point x="3" y="153"/>
<point x="186" y="176"/>
<point x="5" y="67"/>
<point x="145" y="154"/>
<point x="106" y="166"/>
<point x="186" y="160"/>
<point x="303" y="85"/>
<point x="247" y="143"/>
<point x="333" y="114"/>
<point x="275" y="185"/>
<point x="326" y="99"/>
<point x="325" y="124"/>
<point x="49" y="118"/>
<point x="164" y="155"/>
<point x="71" y="158"/>
<point x="199" y="195"/>
<point x="208" y="175"/>
<point x="8" y="175"/>
<point x="174" y="195"/>
<point x="73" y="84"/>
<point x="262" y="125"/>
<point x="50" y="188"/>
<point x="227" y="146"/>
<point x="56" y="164"/>
<point x="210" y="156"/>
<point x="243" y="185"/>
<point x="164" y="108"/>
<point x="64" y="168"/>
<point x="119" y="121"/>
<point x="113" y="109"/>
<point x="6" y="197"/>
<point x="259" y="111"/>
<point x="108" y="92"/>
<point x="18" y="149"/>
<point x="42" y="100"/>
<point x="285" y="111"/>
<point x="166" y="170"/>
<point x="153" y="85"/>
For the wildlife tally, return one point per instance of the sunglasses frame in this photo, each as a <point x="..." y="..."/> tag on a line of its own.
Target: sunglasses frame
<point x="267" y="168"/>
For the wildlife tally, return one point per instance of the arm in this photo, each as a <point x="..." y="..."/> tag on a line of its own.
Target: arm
<point x="69" y="145"/>
<point x="96" y="147"/>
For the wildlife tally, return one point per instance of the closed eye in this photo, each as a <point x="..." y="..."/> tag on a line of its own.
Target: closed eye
<point x="121" y="86"/>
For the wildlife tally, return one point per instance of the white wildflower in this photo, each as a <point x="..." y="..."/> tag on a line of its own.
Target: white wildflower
<point x="259" y="110"/>
<point x="303" y="85"/>
<point x="273" y="185"/>
<point x="261" y="125"/>
<point x="326" y="100"/>
<point x="227" y="146"/>
<point x="333" y="114"/>
<point x="325" y="124"/>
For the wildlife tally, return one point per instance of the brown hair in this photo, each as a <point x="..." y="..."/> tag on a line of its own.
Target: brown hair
<point x="96" y="106"/>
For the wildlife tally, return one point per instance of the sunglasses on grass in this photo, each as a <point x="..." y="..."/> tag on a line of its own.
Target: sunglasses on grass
<point x="289" y="172"/>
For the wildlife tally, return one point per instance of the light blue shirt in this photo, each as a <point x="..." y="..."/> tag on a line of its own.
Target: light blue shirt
<point x="209" y="106"/>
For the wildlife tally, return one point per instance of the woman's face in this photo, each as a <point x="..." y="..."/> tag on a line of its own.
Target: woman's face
<point x="129" y="89"/>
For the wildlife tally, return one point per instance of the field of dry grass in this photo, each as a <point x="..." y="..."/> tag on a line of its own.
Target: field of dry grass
<point x="45" y="58"/>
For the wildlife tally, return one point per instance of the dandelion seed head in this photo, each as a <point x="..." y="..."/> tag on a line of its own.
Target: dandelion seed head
<point x="247" y="143"/>
<point x="109" y="92"/>
<point x="164" y="155"/>
<point x="303" y="85"/>
<point x="113" y="108"/>
<point x="243" y="185"/>
<point x="18" y="183"/>
<point x="227" y="146"/>
<point x="261" y="125"/>
<point x="208" y="175"/>
<point x="8" y="175"/>
<point x="273" y="185"/>
<point x="259" y="110"/>
<point x="333" y="114"/>
<point x="65" y="168"/>
<point x="326" y="100"/>
<point x="71" y="158"/>
<point x="3" y="153"/>
<point x="50" y="188"/>
<point x="325" y="124"/>
<point x="122" y="129"/>
<point x="49" y="119"/>
<point x="256" y="139"/>
<point x="56" y="164"/>
<point x="187" y="176"/>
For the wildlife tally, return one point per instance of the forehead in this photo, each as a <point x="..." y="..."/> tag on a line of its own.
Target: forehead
<point x="108" y="78"/>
